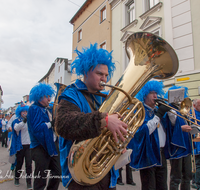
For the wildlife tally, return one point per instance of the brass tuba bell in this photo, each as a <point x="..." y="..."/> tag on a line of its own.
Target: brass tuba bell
<point x="150" y="57"/>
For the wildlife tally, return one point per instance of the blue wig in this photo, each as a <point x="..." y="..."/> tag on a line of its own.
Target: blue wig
<point x="39" y="91"/>
<point x="150" y="86"/>
<point x="21" y="108"/>
<point x="177" y="87"/>
<point x="90" y="58"/>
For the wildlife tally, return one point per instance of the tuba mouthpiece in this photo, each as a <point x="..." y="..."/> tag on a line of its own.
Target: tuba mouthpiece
<point x="102" y="83"/>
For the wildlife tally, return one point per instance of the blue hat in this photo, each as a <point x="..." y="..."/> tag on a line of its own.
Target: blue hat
<point x="20" y="108"/>
<point x="39" y="91"/>
<point x="150" y="86"/>
<point x="90" y="58"/>
<point x="177" y="87"/>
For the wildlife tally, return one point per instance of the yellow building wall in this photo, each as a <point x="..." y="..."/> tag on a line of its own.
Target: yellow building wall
<point x="192" y="82"/>
<point x="92" y="30"/>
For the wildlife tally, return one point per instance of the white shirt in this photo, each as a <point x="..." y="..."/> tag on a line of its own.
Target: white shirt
<point x="25" y="139"/>
<point x="153" y="123"/>
<point x="3" y="122"/>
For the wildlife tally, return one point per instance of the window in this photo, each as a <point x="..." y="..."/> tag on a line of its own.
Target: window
<point x="103" y="14"/>
<point x="103" y="45"/>
<point x="129" y="12"/>
<point x="149" y="4"/>
<point x="58" y="68"/>
<point x="80" y="35"/>
<point x="60" y="79"/>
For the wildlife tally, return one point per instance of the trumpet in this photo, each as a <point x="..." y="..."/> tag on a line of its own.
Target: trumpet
<point x="193" y="140"/>
<point x="185" y="107"/>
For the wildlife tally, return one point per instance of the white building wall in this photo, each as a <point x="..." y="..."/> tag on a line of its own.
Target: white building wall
<point x="63" y="72"/>
<point x="116" y="43"/>
<point x="182" y="34"/>
<point x="51" y="76"/>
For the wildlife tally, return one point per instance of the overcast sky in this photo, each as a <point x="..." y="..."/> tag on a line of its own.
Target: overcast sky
<point x="33" y="33"/>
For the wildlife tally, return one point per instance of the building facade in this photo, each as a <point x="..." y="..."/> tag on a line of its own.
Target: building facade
<point x="174" y="20"/>
<point x="1" y="94"/>
<point x="49" y="77"/>
<point x="91" y="24"/>
<point x="62" y="71"/>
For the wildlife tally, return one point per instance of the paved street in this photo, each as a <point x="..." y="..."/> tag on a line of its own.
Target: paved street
<point x="5" y="174"/>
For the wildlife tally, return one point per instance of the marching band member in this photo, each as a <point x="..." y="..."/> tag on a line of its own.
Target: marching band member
<point x="180" y="173"/>
<point x="196" y="104"/>
<point x="77" y="116"/>
<point x="44" y="150"/>
<point x="150" y="142"/>
<point x="20" y="145"/>
<point x="4" y="123"/>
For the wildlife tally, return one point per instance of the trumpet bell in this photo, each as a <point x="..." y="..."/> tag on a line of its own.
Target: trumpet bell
<point x="185" y="106"/>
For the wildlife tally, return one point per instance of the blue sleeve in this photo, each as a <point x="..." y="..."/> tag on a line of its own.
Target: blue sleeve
<point x="145" y="148"/>
<point x="37" y="119"/>
<point x="175" y="141"/>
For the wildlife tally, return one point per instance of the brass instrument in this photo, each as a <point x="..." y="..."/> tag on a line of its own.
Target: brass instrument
<point x="60" y="88"/>
<point x="150" y="56"/>
<point x="195" y="139"/>
<point x="185" y="107"/>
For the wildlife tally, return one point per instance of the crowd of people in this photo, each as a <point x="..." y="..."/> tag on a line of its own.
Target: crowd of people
<point x="46" y="140"/>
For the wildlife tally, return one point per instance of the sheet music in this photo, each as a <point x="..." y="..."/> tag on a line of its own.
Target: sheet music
<point x="195" y="129"/>
<point x="176" y="95"/>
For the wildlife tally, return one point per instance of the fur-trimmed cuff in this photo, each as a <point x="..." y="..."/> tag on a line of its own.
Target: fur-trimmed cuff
<point x="103" y="120"/>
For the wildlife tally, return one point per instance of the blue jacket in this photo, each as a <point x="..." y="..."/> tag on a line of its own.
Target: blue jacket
<point x="146" y="148"/>
<point x="16" y="144"/>
<point x="0" y="123"/>
<point x="178" y="138"/>
<point x="39" y="133"/>
<point x="197" y="144"/>
<point x="73" y="94"/>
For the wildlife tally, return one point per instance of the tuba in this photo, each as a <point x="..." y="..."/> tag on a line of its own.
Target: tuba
<point x="150" y="57"/>
<point x="60" y="88"/>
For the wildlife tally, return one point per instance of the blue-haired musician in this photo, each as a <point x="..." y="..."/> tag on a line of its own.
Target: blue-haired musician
<point x="20" y="145"/>
<point x="196" y="181"/>
<point x="150" y="143"/>
<point x="44" y="150"/>
<point x="77" y="116"/>
<point x="180" y="174"/>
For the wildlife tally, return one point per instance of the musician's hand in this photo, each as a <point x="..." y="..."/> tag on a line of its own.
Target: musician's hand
<point x="162" y="110"/>
<point x="159" y="102"/>
<point x="116" y="126"/>
<point x="186" y="128"/>
<point x="123" y="151"/>
<point x="25" y="119"/>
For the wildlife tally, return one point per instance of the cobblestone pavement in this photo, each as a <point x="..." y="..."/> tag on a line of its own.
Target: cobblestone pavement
<point x="7" y="182"/>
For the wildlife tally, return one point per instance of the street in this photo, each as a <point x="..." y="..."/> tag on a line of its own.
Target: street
<point x="7" y="182"/>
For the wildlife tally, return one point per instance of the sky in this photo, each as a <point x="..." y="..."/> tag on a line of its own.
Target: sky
<point x="33" y="33"/>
